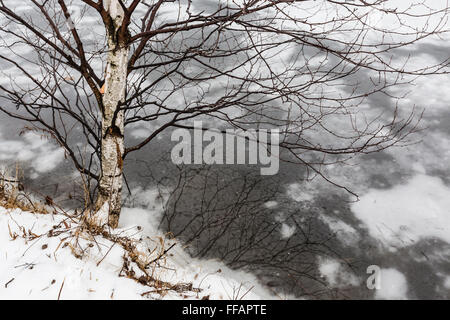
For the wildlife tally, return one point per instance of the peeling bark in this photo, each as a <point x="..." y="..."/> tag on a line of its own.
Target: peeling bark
<point x="112" y="145"/>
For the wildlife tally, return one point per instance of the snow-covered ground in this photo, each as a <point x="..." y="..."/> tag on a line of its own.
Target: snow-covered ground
<point x="45" y="256"/>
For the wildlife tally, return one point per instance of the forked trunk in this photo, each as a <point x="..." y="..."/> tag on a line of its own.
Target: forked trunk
<point x="112" y="145"/>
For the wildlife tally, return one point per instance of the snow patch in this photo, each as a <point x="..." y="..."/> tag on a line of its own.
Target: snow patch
<point x="447" y="282"/>
<point x="393" y="285"/>
<point x="271" y="204"/>
<point x="217" y="280"/>
<point x="344" y="232"/>
<point x="287" y="231"/>
<point x="403" y="215"/>
<point x="335" y="274"/>
<point x="298" y="192"/>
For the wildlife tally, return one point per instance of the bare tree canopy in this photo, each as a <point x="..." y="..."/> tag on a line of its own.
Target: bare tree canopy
<point x="285" y="64"/>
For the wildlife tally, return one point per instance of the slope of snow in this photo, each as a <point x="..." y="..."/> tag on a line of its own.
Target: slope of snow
<point x="218" y="281"/>
<point x="37" y="261"/>
<point x="42" y="268"/>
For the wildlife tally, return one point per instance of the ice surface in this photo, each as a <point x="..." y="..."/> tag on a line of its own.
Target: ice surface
<point x="393" y="285"/>
<point x="403" y="215"/>
<point x="335" y="273"/>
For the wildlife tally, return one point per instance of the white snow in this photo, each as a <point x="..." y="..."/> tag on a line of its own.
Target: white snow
<point x="447" y="282"/>
<point x="335" y="274"/>
<point x="393" y="285"/>
<point x="38" y="272"/>
<point x="34" y="265"/>
<point x="299" y="193"/>
<point x="403" y="215"/>
<point x="344" y="232"/>
<point x="218" y="281"/>
<point x="271" y="204"/>
<point x="287" y="231"/>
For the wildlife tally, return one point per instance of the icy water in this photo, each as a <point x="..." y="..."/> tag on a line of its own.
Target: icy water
<point x="301" y="238"/>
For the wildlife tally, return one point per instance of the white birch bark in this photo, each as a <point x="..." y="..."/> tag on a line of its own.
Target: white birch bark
<point x="112" y="147"/>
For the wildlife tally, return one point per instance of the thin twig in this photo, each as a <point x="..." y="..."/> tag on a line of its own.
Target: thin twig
<point x="106" y="254"/>
<point x="60" y="289"/>
<point x="6" y="284"/>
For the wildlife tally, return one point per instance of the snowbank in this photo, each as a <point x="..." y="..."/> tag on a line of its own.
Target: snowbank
<point x="38" y="266"/>
<point x="38" y="260"/>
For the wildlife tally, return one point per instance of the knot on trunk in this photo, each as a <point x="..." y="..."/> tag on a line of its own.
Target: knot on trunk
<point x="114" y="131"/>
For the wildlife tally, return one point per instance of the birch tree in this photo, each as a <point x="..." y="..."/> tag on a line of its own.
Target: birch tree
<point x="286" y="64"/>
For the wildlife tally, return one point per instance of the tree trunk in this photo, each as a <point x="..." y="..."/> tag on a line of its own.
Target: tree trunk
<point x="112" y="145"/>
